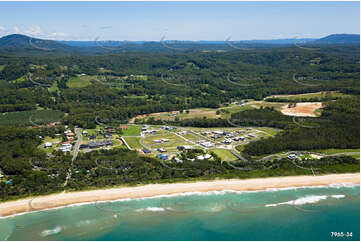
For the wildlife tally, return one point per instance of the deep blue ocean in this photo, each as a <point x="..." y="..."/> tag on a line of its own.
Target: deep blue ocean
<point x="286" y="214"/>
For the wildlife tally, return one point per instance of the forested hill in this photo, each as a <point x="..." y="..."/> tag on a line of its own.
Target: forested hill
<point x="16" y="44"/>
<point x="129" y="84"/>
<point x="340" y="39"/>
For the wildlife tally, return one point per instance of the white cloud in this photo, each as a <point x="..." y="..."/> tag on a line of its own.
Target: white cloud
<point x="2" y="28"/>
<point x="59" y="34"/>
<point x="34" y="30"/>
<point x="17" y="30"/>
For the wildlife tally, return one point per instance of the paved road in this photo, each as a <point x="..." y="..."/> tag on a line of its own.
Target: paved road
<point x="77" y="145"/>
<point x="75" y="154"/>
<point x="126" y="144"/>
<point x="37" y="83"/>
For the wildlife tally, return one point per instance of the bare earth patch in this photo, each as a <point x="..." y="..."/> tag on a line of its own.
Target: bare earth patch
<point x="306" y="109"/>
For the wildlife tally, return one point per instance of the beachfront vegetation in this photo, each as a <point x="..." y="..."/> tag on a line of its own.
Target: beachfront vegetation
<point x="31" y="172"/>
<point x="207" y="89"/>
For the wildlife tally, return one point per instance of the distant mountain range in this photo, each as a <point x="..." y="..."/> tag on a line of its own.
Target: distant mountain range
<point x="330" y="39"/>
<point x="25" y="42"/>
<point x="17" y="43"/>
<point x="340" y="39"/>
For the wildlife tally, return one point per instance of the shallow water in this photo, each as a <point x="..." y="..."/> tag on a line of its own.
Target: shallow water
<point x="285" y="214"/>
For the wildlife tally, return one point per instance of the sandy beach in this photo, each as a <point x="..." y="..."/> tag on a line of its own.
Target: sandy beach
<point x="70" y="198"/>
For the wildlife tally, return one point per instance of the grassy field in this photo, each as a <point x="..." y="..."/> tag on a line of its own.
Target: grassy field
<point x="54" y="87"/>
<point x="225" y="155"/>
<point x="264" y="104"/>
<point x="133" y="142"/>
<point x="309" y="96"/>
<point x="133" y="130"/>
<point x="234" y="109"/>
<point x="193" y="113"/>
<point x="192" y="137"/>
<point x="80" y="81"/>
<point x="210" y="113"/>
<point x="269" y="131"/>
<point x="170" y="146"/>
<point x="35" y="117"/>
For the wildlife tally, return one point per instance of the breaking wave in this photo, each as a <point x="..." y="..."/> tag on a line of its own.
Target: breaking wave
<point x="305" y="200"/>
<point x="48" y="232"/>
<point x="151" y="209"/>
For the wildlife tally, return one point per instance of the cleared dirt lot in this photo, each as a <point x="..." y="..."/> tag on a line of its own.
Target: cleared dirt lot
<point x="306" y="109"/>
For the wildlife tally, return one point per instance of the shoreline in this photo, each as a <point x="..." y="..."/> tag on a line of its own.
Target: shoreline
<point x="58" y="200"/>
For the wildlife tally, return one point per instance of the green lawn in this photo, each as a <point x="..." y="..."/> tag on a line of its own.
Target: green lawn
<point x="313" y="95"/>
<point x="133" y="142"/>
<point x="225" y="155"/>
<point x="79" y="82"/>
<point x="269" y="131"/>
<point x="54" y="87"/>
<point x="234" y="109"/>
<point x="133" y="130"/>
<point x="191" y="137"/>
<point x="170" y="146"/>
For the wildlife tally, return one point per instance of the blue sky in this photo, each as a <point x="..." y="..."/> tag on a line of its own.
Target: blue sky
<point x="178" y="20"/>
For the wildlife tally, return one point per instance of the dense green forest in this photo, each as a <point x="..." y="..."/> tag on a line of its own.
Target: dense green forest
<point x="74" y="90"/>
<point x="33" y="173"/>
<point x="338" y="127"/>
<point x="138" y="82"/>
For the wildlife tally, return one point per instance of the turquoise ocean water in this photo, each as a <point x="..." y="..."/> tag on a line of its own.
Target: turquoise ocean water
<point x="286" y="214"/>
